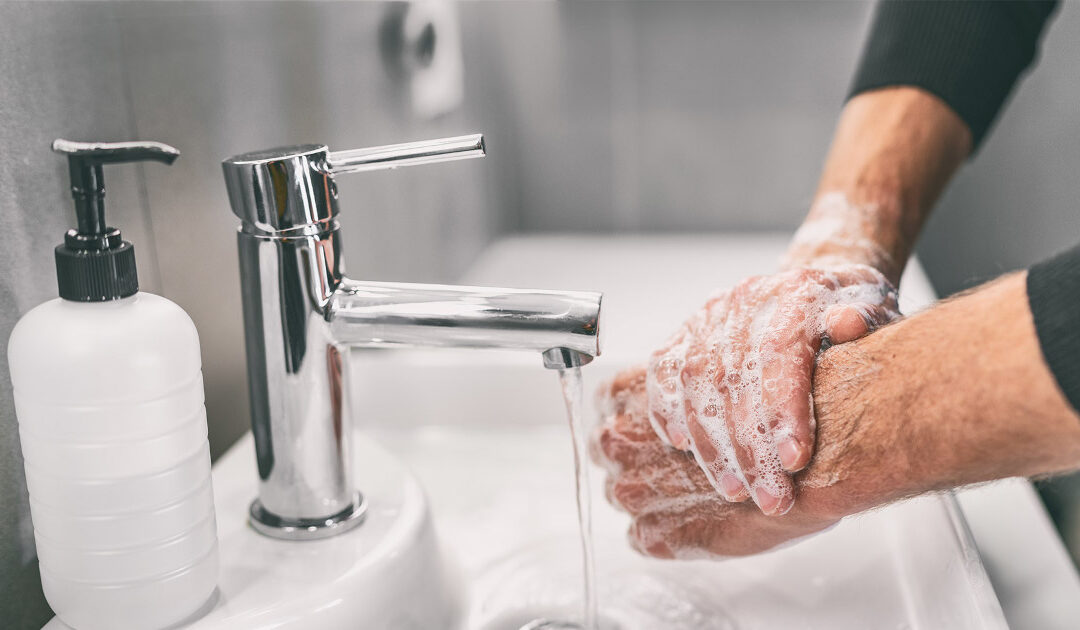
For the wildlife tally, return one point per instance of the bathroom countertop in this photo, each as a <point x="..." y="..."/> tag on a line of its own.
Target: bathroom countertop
<point x="1035" y="581"/>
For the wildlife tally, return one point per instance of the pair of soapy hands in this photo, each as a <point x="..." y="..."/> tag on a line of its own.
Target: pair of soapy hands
<point x="733" y="389"/>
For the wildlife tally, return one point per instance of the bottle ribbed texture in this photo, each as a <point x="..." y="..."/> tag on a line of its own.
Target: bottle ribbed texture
<point x="122" y="505"/>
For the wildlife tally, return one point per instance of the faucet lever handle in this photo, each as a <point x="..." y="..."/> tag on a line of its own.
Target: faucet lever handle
<point x="406" y="154"/>
<point x="288" y="188"/>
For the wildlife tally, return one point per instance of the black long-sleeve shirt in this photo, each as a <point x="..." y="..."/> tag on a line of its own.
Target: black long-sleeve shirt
<point x="970" y="54"/>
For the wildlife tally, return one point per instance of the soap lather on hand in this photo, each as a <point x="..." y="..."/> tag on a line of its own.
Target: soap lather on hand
<point x="733" y="384"/>
<point x="675" y="511"/>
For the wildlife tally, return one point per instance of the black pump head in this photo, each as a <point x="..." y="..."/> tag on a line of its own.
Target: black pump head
<point x="94" y="264"/>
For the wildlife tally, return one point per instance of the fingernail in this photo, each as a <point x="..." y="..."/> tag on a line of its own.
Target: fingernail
<point x="678" y="439"/>
<point x="731" y="486"/>
<point x="765" y="500"/>
<point x="660" y="549"/>
<point x="791" y="454"/>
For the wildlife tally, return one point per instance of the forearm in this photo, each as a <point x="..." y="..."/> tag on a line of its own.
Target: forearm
<point x="893" y="153"/>
<point x="931" y="80"/>
<point x="955" y="395"/>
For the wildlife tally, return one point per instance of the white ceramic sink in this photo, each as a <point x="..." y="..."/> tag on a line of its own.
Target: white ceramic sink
<point x="504" y="505"/>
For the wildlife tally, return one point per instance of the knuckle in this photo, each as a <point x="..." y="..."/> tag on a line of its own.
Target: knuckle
<point x="608" y="442"/>
<point x="648" y="536"/>
<point x="596" y="453"/>
<point x="630" y="495"/>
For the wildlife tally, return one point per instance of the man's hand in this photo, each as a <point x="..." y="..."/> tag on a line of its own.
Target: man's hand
<point x="676" y="512"/>
<point x="733" y="384"/>
<point x="954" y="395"/>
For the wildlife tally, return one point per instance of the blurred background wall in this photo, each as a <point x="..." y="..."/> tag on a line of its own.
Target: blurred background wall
<point x="600" y="117"/>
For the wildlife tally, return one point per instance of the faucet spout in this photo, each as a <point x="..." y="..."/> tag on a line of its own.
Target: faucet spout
<point x="387" y="313"/>
<point x="565" y="358"/>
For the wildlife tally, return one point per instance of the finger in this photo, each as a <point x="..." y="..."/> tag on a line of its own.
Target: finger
<point x="717" y="466"/>
<point x="749" y="423"/>
<point x="731" y="389"/>
<point x="706" y="424"/>
<point x="627" y="389"/>
<point x="787" y="358"/>
<point x="615" y="395"/>
<point x="626" y="439"/>
<point x="661" y="479"/>
<point x="667" y="374"/>
<point x="717" y="530"/>
<point x="623" y="406"/>
<point x="687" y="533"/>
<point x="633" y="496"/>
<point x="647" y="536"/>
<point x="619" y="445"/>
<point x="659" y="492"/>
<point x="609" y="491"/>
<point x="596" y="453"/>
<point x="705" y="414"/>
<point x="848" y="322"/>
<point x="627" y="379"/>
<point x="664" y="388"/>
<point x="736" y="534"/>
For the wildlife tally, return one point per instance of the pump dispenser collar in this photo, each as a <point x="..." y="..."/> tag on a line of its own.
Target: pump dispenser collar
<point x="94" y="263"/>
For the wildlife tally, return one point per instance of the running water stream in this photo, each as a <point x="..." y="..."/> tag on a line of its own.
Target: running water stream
<point x="641" y="594"/>
<point x="570" y="379"/>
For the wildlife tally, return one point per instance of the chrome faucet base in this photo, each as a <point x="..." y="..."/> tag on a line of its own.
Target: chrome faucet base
<point x="274" y="526"/>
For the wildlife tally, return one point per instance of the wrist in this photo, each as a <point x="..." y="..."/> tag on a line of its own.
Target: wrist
<point x="859" y="462"/>
<point x="955" y="395"/>
<point x="892" y="154"/>
<point x="842" y="229"/>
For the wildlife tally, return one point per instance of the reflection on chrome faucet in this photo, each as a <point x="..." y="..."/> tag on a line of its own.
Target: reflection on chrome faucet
<point x="300" y="310"/>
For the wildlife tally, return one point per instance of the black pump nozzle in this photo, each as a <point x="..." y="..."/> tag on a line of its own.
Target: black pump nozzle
<point x="85" y="160"/>
<point x="94" y="263"/>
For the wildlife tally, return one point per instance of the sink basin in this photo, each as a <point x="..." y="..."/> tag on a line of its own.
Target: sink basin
<point x="509" y="516"/>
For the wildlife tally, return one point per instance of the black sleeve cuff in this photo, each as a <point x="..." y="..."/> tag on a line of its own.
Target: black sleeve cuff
<point x="1053" y="288"/>
<point x="968" y="53"/>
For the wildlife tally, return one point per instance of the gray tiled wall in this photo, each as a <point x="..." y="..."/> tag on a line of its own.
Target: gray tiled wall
<point x="676" y="116"/>
<point x="633" y="116"/>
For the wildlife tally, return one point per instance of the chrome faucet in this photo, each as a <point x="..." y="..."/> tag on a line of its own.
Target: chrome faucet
<point x="301" y="314"/>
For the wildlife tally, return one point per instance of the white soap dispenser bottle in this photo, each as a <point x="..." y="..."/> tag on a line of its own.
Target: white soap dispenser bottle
<point x="109" y="397"/>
